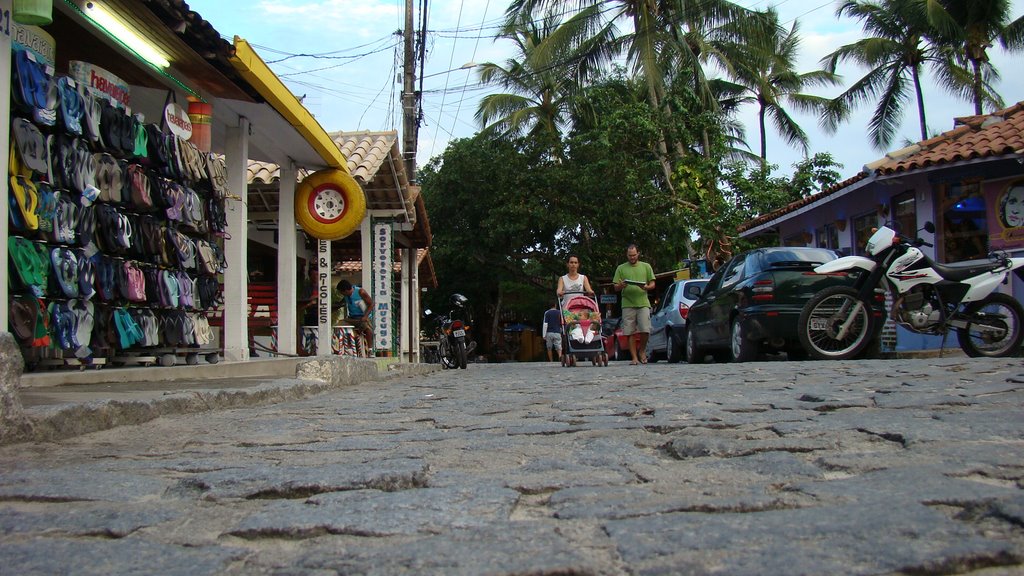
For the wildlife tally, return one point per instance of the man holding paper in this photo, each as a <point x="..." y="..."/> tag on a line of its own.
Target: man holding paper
<point x="633" y="279"/>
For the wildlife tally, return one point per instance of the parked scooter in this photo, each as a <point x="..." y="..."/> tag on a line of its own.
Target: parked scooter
<point x="450" y="330"/>
<point x="928" y="298"/>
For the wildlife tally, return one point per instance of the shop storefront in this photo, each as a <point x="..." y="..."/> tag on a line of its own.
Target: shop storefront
<point x="131" y="129"/>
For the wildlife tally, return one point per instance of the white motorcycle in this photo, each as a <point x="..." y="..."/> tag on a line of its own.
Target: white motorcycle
<point x="928" y="298"/>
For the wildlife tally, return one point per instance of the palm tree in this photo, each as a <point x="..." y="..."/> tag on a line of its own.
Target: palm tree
<point x="897" y="48"/>
<point x="669" y="38"/>
<point x="763" y="67"/>
<point x="973" y="26"/>
<point x="540" y="93"/>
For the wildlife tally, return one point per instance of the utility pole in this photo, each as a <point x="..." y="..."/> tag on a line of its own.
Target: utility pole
<point x="410" y="122"/>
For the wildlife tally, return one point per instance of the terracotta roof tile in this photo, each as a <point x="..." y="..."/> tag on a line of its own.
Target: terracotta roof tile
<point x="973" y="137"/>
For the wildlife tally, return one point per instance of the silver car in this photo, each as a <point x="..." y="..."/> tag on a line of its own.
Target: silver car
<point x="668" y="320"/>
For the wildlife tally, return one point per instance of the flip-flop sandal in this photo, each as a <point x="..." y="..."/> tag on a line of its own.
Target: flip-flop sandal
<point x="72" y="106"/>
<point x="47" y="207"/>
<point x="31" y="145"/>
<point x="218" y="174"/>
<point x="84" y="312"/>
<point x="185" y="289"/>
<point x="86" y="277"/>
<point x="203" y="333"/>
<point x="92" y="114"/>
<point x="141" y="140"/>
<point x="27" y="197"/>
<point x="65" y="268"/>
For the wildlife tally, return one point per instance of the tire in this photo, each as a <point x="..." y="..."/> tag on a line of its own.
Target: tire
<point x="329" y="204"/>
<point x="743" y="349"/>
<point x="445" y="353"/>
<point x="460" y="354"/>
<point x="673" y="351"/>
<point x="824" y="315"/>
<point x="993" y="327"/>
<point x="694" y="352"/>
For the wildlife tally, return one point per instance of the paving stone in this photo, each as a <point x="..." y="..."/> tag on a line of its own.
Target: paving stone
<point x="766" y="468"/>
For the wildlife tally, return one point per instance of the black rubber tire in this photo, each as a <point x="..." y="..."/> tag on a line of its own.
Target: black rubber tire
<point x="694" y="352"/>
<point x="1009" y="318"/>
<point x="674" y="351"/>
<point x="460" y="354"/>
<point x="822" y="310"/>
<point x="742" y="349"/>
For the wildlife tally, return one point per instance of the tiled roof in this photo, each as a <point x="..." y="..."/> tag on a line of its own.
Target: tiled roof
<point x="364" y="151"/>
<point x="973" y="137"/>
<point x="374" y="161"/>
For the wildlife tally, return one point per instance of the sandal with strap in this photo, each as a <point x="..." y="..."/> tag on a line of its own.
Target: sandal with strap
<point x="31" y="145"/>
<point x="27" y="197"/>
<point x="65" y="268"/>
<point x="72" y="106"/>
<point x="84" y="312"/>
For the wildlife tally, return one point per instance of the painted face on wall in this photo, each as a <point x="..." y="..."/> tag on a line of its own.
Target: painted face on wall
<point x="1013" y="206"/>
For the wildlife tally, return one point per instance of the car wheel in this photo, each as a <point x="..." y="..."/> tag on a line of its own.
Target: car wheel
<point x="743" y="349"/>
<point x="694" y="353"/>
<point x="673" y="351"/>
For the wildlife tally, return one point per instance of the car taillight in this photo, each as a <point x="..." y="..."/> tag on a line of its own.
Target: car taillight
<point x="683" y="310"/>
<point x="763" y="291"/>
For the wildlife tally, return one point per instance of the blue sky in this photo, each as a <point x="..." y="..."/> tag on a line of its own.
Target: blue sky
<point x="355" y="82"/>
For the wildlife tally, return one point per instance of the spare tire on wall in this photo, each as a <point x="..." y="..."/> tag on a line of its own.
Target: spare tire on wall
<point x="329" y="204"/>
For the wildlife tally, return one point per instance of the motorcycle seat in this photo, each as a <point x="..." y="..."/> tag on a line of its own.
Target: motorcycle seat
<point x="960" y="271"/>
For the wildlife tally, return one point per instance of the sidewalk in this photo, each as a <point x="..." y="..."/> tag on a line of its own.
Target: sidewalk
<point x="55" y="405"/>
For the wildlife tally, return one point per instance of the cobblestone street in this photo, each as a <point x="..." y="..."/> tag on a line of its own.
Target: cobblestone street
<point x="770" y="468"/>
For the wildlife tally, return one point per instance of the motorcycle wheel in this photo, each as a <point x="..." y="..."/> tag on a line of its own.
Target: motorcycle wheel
<point x="993" y="327"/>
<point x="825" y="314"/>
<point x="444" y="350"/>
<point x="460" y="354"/>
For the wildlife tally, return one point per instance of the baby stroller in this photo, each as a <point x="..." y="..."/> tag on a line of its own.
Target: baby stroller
<point x="581" y="330"/>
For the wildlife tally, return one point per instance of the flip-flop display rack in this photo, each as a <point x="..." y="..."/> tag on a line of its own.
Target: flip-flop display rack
<point x="117" y="228"/>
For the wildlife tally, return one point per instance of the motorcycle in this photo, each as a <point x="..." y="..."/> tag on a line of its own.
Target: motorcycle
<point x="453" y="346"/>
<point x="928" y="298"/>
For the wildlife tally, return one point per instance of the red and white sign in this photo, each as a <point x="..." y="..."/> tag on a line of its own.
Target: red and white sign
<point x="100" y="81"/>
<point x="178" y="121"/>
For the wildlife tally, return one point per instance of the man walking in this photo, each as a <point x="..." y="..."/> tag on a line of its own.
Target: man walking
<point x="552" y="331"/>
<point x="633" y="279"/>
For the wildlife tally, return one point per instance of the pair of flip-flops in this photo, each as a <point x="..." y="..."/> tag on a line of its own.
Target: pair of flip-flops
<point x="71" y="324"/>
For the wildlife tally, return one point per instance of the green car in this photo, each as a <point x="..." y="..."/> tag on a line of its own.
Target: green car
<point x="752" y="304"/>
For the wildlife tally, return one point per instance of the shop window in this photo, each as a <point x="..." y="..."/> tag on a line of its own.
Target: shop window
<point x="964" y="225"/>
<point x="904" y="212"/>
<point x="862" y="229"/>
<point x="827" y="237"/>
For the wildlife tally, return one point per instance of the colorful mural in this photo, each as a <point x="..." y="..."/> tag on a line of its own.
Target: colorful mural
<point x="1006" y="215"/>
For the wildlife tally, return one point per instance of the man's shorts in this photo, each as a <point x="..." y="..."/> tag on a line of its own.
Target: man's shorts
<point x="553" y="340"/>
<point x="636" y="320"/>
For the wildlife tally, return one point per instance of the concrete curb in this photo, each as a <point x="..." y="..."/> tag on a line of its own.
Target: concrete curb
<point x="309" y="377"/>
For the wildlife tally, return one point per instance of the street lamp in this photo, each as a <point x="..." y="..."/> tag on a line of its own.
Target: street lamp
<point x="465" y="66"/>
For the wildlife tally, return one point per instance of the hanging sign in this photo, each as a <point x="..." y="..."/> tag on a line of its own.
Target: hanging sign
<point x="382" y="270"/>
<point x="100" y="82"/>
<point x="178" y="120"/>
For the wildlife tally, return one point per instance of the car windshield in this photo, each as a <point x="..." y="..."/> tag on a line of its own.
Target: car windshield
<point x="798" y="258"/>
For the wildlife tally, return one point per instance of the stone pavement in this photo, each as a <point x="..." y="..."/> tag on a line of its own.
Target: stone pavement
<point x="769" y="468"/>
